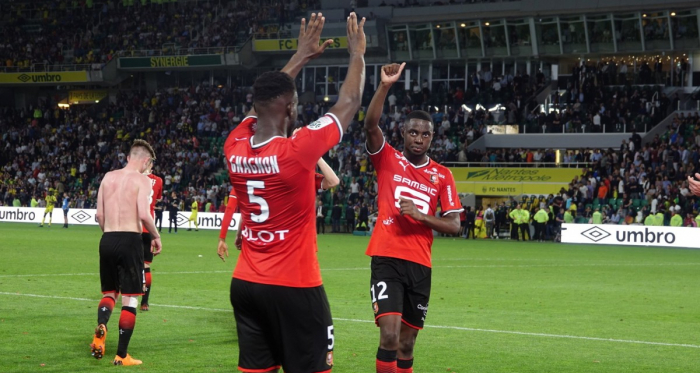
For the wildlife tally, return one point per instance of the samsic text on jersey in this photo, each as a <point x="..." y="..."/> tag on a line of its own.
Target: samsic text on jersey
<point x="398" y="236"/>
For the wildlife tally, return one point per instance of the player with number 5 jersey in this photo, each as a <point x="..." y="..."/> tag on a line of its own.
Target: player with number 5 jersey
<point x="410" y="187"/>
<point x="283" y="318"/>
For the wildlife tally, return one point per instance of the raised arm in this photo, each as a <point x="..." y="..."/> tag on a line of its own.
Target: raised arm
<point x="375" y="138"/>
<point x="330" y="179"/>
<point x="350" y="95"/>
<point x="694" y="184"/>
<point x="308" y="47"/>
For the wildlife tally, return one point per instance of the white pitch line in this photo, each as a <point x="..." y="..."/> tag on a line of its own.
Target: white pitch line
<point x="97" y="274"/>
<point x="367" y="268"/>
<point x="542" y="334"/>
<point x="95" y="300"/>
<point x="545" y="335"/>
<point x="566" y="336"/>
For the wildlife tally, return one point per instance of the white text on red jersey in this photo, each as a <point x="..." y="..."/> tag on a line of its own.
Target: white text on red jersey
<point x="254" y="165"/>
<point x="415" y="185"/>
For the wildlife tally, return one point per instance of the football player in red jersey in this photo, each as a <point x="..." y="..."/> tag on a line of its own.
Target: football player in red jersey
<point x="410" y="185"/>
<point x="155" y="197"/>
<point x="283" y="318"/>
<point x="325" y="180"/>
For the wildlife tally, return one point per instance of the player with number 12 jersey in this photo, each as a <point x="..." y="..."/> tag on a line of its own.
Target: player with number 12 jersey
<point x="410" y="187"/>
<point x="401" y="237"/>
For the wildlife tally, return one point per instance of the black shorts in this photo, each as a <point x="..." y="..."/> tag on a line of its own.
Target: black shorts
<point x="147" y="254"/>
<point x="121" y="263"/>
<point x="400" y="287"/>
<point x="281" y="326"/>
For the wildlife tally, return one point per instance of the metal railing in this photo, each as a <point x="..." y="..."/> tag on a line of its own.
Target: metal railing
<point x="178" y="51"/>
<point x="40" y="67"/>
<point x="692" y="102"/>
<point x="31" y="11"/>
<point x="520" y="164"/>
<point x="284" y="34"/>
<point x="531" y="127"/>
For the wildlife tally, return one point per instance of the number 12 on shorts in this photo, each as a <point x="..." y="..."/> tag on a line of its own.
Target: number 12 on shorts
<point x="381" y="285"/>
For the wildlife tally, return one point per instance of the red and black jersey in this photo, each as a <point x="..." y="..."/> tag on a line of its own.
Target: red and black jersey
<point x="274" y="182"/>
<point x="156" y="194"/>
<point x="398" y="236"/>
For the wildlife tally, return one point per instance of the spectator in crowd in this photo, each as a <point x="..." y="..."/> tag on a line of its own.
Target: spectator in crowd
<point x="136" y="28"/>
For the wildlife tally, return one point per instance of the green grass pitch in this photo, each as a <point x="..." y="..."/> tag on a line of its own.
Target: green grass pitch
<point x="496" y="306"/>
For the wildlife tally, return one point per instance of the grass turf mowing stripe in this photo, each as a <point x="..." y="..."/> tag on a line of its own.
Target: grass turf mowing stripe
<point x="367" y="268"/>
<point x="545" y="335"/>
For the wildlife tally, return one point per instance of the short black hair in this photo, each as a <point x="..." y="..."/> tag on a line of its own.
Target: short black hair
<point x="271" y="85"/>
<point x="421" y="115"/>
<point x="142" y="144"/>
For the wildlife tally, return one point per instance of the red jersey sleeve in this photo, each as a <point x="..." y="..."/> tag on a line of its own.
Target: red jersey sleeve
<point x="318" y="181"/>
<point x="228" y="215"/>
<point x="159" y="189"/>
<point x="156" y="194"/>
<point x="314" y="140"/>
<point x="382" y="156"/>
<point x="449" y="200"/>
<point x="245" y="129"/>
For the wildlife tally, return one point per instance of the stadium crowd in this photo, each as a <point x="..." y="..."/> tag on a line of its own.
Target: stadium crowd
<point x="634" y="184"/>
<point x="68" y="150"/>
<point x="46" y="149"/>
<point x="587" y="106"/>
<point x="44" y="32"/>
<point x="49" y="149"/>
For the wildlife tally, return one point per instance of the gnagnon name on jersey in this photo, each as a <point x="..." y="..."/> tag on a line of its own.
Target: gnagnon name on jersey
<point x="254" y="165"/>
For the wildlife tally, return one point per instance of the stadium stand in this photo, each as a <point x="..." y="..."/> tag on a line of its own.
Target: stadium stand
<point x="47" y="148"/>
<point x="42" y="35"/>
<point x="54" y="149"/>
